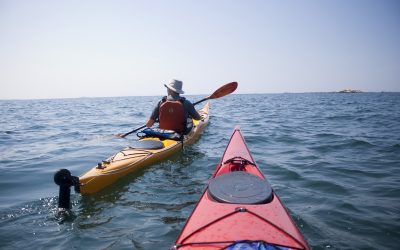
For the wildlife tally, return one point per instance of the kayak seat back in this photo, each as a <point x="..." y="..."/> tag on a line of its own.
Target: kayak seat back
<point x="240" y="187"/>
<point x="146" y="144"/>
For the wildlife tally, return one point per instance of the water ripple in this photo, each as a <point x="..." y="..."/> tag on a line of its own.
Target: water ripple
<point x="333" y="159"/>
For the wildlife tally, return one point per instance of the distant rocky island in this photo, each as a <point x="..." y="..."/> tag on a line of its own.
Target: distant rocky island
<point x="350" y="91"/>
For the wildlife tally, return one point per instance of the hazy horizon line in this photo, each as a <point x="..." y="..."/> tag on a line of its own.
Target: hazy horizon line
<point x="265" y="93"/>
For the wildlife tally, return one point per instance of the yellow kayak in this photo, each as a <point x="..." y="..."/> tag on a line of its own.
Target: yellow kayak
<point x="134" y="158"/>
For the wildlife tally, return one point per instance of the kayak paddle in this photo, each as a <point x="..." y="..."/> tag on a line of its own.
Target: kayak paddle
<point x="222" y="91"/>
<point x="133" y="131"/>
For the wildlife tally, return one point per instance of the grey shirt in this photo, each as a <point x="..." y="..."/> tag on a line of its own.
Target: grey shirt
<point x="190" y="111"/>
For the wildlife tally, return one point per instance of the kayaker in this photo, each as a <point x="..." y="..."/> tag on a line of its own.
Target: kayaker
<point x="173" y="111"/>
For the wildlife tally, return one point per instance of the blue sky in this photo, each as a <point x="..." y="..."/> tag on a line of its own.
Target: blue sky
<point x="56" y="49"/>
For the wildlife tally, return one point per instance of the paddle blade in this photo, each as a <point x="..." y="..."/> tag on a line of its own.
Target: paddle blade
<point x="120" y="135"/>
<point x="224" y="90"/>
<point x="133" y="131"/>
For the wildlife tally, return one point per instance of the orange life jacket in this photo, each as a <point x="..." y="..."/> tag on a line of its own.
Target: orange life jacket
<point x="172" y="115"/>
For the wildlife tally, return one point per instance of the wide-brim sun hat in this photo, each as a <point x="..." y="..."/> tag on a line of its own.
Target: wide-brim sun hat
<point x="175" y="85"/>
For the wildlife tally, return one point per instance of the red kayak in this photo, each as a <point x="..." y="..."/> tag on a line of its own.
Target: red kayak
<point x="239" y="209"/>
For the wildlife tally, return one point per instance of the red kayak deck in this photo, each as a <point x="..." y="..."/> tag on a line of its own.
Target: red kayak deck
<point x="220" y="224"/>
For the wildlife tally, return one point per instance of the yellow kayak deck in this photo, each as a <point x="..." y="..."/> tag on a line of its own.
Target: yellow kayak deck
<point x="130" y="159"/>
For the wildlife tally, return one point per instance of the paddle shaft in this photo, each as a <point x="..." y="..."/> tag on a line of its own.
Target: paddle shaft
<point x="133" y="131"/>
<point x="202" y="100"/>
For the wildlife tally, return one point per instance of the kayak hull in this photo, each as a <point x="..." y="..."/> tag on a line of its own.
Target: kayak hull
<point x="214" y="224"/>
<point x="130" y="160"/>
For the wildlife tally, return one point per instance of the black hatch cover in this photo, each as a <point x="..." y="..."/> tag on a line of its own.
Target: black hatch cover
<point x="240" y="188"/>
<point x="146" y="144"/>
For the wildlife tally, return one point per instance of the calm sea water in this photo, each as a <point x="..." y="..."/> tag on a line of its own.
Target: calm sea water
<point x="334" y="160"/>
